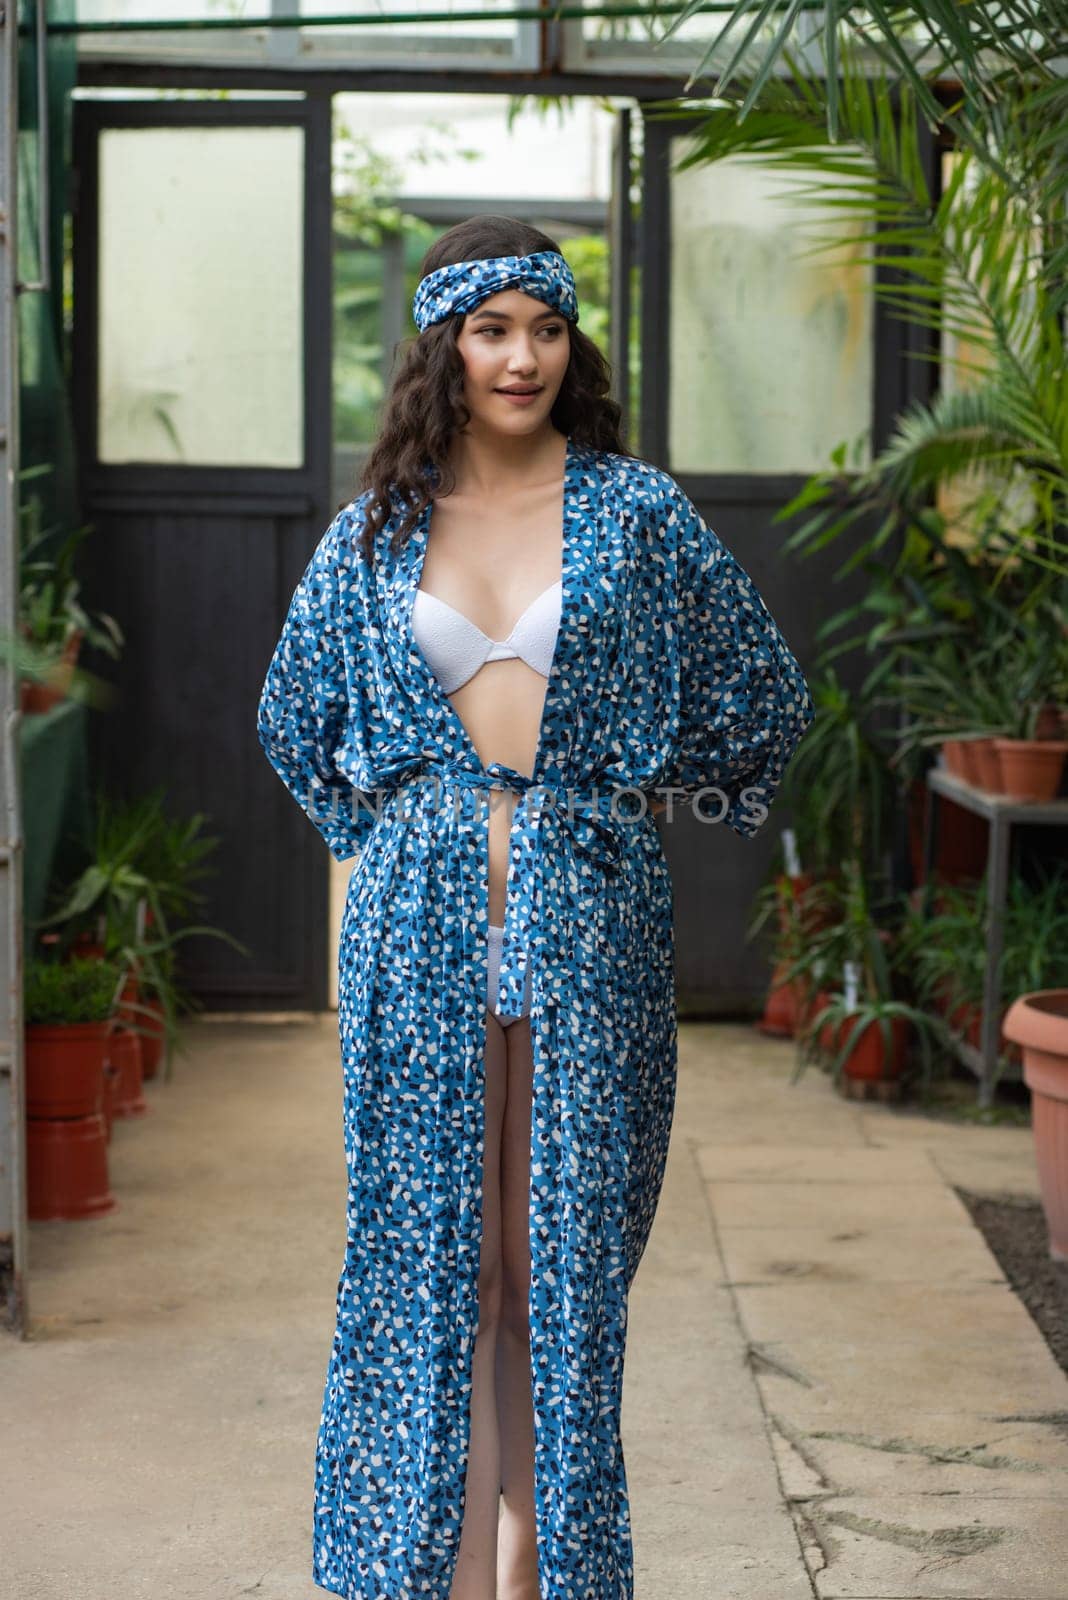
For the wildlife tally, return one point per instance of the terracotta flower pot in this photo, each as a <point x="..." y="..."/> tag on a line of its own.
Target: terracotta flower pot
<point x="111" y="1088"/>
<point x="153" y="1039"/>
<point x="1039" y="1023"/>
<point x="951" y="749"/>
<point x="809" y="1002"/>
<point x="124" y="1052"/>
<point x="38" y="697"/>
<point x="65" y="1068"/>
<point x="86" y="948"/>
<point x="969" y="765"/>
<point x="825" y="1033"/>
<point x="1031" y="768"/>
<point x="868" y="1060"/>
<point x="67" y="1168"/>
<point x="780" y="1006"/>
<point x="988" y="765"/>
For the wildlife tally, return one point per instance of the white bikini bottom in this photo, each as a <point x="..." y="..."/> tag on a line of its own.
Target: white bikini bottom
<point x="496" y="943"/>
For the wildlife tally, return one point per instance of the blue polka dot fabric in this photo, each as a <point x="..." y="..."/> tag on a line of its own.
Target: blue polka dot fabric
<point x="463" y="285"/>
<point x="668" y="670"/>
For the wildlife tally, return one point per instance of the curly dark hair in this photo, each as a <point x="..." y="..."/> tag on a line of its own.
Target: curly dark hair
<point x="409" y="462"/>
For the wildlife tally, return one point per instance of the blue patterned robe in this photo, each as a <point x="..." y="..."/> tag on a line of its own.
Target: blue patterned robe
<point x="668" y="670"/>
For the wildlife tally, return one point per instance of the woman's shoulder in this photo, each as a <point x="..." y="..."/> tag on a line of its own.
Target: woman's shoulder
<point x="342" y="540"/>
<point x="646" y="488"/>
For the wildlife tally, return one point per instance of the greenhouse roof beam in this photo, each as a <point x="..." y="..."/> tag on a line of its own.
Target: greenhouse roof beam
<point x="361" y="20"/>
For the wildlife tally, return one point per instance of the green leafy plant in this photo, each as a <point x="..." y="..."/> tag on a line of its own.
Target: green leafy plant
<point x="944" y="949"/>
<point x="50" y="611"/>
<point x="854" y="963"/>
<point x="848" y="1019"/>
<point x="992" y="47"/>
<point x="71" y="991"/>
<point x="798" y="906"/>
<point x="142" y="874"/>
<point x="839" y="785"/>
<point x="1035" y="949"/>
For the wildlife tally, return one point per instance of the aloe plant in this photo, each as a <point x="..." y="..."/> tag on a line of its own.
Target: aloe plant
<point x="860" y="1015"/>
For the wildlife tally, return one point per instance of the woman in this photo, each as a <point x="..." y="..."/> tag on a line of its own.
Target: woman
<point x="511" y="638"/>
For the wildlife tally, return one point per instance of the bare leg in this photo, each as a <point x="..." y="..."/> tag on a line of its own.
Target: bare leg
<point x="517" y="1560"/>
<point x="476" y="1561"/>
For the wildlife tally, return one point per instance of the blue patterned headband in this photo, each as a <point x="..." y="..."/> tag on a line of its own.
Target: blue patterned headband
<point x="463" y="285"/>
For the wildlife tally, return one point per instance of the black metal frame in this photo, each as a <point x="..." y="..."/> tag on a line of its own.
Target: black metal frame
<point x="622" y="245"/>
<point x="284" y="490"/>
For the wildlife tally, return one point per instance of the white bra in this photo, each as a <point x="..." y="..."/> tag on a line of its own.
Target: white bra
<point x="456" y="648"/>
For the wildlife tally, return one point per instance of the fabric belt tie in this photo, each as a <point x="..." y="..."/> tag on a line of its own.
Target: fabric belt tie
<point x="584" y="816"/>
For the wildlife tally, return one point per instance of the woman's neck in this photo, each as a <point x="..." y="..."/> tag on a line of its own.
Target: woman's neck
<point x="496" y="464"/>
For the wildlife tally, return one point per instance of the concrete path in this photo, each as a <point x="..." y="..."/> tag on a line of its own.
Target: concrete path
<point x="830" y="1390"/>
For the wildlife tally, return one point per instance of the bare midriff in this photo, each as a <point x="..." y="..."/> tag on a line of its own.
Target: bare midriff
<point x="490" y="562"/>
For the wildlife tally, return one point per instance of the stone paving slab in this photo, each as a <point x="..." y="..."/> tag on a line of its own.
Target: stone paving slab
<point x="810" y="1204"/>
<point x="789" y="1163"/>
<point x="707" y="1515"/>
<point x="930" y="1454"/>
<point x="938" y="1549"/>
<point x="832" y="1255"/>
<point x="907" y="1314"/>
<point x="940" y="1376"/>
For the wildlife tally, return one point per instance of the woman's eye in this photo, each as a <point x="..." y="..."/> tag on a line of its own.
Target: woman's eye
<point x="554" y="329"/>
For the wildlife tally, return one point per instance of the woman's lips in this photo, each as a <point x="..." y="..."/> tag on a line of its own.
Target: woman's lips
<point x="519" y="399"/>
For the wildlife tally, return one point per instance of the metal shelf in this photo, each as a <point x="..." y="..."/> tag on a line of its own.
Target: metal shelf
<point x="1003" y="813"/>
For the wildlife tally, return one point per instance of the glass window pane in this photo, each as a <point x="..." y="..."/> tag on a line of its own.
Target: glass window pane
<point x="468" y="145"/>
<point x="201" y="353"/>
<point x="770" y="355"/>
<point x="450" y="33"/>
<point x="637" y="43"/>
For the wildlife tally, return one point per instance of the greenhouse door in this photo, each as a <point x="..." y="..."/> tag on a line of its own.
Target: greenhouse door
<point x="755" y="364"/>
<point x="202" y="288"/>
